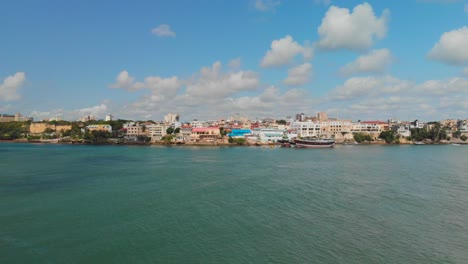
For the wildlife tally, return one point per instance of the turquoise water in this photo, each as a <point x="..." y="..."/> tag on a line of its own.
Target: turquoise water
<point x="123" y="204"/>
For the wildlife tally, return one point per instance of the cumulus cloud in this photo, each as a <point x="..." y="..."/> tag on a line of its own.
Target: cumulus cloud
<point x="213" y="82"/>
<point x="375" y="61"/>
<point x="266" y="5"/>
<point x="369" y="86"/>
<point x="127" y="82"/>
<point x="163" y="30"/>
<point x="10" y="86"/>
<point x="451" y="47"/>
<point x="299" y="75"/>
<point x="442" y="87"/>
<point x="356" y="30"/>
<point x="283" y="51"/>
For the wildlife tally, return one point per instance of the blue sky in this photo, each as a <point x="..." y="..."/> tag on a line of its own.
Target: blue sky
<point x="212" y="59"/>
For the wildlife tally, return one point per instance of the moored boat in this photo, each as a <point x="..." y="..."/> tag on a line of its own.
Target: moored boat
<point x="314" y="143"/>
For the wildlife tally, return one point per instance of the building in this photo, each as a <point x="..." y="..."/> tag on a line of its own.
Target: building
<point x="14" y="118"/>
<point x="205" y="133"/>
<point x="322" y="116"/>
<point x="307" y="128"/>
<point x="268" y="134"/>
<point x="133" y="130"/>
<point x="87" y="118"/>
<point x="238" y="133"/>
<point x="171" y="118"/>
<point x="157" y="131"/>
<point x="39" y="128"/>
<point x="109" y="117"/>
<point x="100" y="127"/>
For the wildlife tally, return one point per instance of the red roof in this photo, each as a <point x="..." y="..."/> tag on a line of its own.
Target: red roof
<point x="374" y="122"/>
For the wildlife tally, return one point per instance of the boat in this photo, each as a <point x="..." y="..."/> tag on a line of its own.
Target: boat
<point x="286" y="143"/>
<point x="419" y="143"/>
<point x="455" y="144"/>
<point x="314" y="143"/>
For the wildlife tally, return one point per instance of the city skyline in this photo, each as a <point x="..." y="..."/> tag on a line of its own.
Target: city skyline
<point x="210" y="60"/>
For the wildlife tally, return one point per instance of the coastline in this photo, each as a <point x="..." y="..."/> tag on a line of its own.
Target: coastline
<point x="214" y="144"/>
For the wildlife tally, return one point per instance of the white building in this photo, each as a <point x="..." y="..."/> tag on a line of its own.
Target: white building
<point x="171" y="118"/>
<point x="268" y="134"/>
<point x="197" y="123"/>
<point x="306" y="129"/>
<point x="157" y="131"/>
<point x="109" y="117"/>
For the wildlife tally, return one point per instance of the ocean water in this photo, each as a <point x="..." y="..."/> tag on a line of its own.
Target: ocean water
<point x="130" y="204"/>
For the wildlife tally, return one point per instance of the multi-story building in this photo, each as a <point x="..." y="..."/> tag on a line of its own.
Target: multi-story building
<point x="198" y="123"/>
<point x="109" y="117"/>
<point x="171" y="118"/>
<point x="157" y="131"/>
<point x="307" y="129"/>
<point x="133" y="130"/>
<point x="463" y="126"/>
<point x="14" y="118"/>
<point x="333" y="128"/>
<point x="370" y="126"/>
<point x="322" y="116"/>
<point x="268" y="134"/>
<point x="205" y="133"/>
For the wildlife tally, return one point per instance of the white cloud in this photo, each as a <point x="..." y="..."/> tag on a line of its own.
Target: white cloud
<point x="96" y="110"/>
<point x="357" y="30"/>
<point x="283" y="51"/>
<point x="127" y="82"/>
<point x="162" y="88"/>
<point x="10" y="86"/>
<point x="235" y="64"/>
<point x="163" y="31"/>
<point x="266" y="5"/>
<point x="299" y="75"/>
<point x="369" y="86"/>
<point x="214" y="83"/>
<point x="443" y="87"/>
<point x="451" y="47"/>
<point x="375" y="61"/>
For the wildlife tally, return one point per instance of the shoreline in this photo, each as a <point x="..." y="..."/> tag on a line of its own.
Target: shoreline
<point x="210" y="144"/>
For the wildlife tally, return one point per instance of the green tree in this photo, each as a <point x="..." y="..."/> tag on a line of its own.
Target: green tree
<point x="463" y="137"/>
<point x="177" y="130"/>
<point x="388" y="136"/>
<point x="281" y="122"/>
<point x="170" y="130"/>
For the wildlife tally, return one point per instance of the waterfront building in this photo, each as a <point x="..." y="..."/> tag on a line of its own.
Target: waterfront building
<point x="307" y="128"/>
<point x="370" y="126"/>
<point x="205" y="133"/>
<point x="133" y="130"/>
<point x="239" y="133"/>
<point x="157" y="131"/>
<point x="265" y="135"/>
<point x="339" y="129"/>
